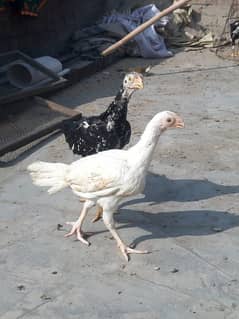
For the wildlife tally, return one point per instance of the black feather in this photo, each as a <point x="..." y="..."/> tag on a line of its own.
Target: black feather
<point x="90" y="135"/>
<point x="234" y="31"/>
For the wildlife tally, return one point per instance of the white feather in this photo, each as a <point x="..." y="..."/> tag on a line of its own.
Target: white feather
<point x="49" y="174"/>
<point x="117" y="173"/>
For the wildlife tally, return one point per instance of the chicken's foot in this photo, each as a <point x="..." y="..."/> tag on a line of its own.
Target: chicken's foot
<point x="76" y="226"/>
<point x="127" y="250"/>
<point x="109" y="223"/>
<point x="76" y="229"/>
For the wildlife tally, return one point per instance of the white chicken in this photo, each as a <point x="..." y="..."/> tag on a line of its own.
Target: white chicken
<point x="106" y="178"/>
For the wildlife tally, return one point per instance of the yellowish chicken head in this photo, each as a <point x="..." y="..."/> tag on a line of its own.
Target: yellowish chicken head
<point x="133" y="81"/>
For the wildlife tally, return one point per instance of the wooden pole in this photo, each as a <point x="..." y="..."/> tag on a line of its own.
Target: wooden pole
<point x="144" y="26"/>
<point x="57" y="107"/>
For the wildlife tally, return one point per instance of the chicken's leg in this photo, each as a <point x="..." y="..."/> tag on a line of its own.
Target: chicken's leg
<point x="233" y="54"/>
<point x="76" y="226"/>
<point x="109" y="223"/>
<point x="98" y="215"/>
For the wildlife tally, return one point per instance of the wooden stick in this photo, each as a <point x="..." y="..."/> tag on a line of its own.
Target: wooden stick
<point x="57" y="107"/>
<point x="144" y="26"/>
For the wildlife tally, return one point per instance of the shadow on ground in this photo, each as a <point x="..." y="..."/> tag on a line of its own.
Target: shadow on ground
<point x="177" y="224"/>
<point x="160" y="189"/>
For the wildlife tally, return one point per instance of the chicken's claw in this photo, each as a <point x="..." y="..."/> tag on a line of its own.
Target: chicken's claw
<point x="127" y="250"/>
<point x="79" y="234"/>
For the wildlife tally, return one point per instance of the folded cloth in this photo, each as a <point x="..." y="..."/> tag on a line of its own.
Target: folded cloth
<point x="179" y="29"/>
<point x="150" y="43"/>
<point x="89" y="42"/>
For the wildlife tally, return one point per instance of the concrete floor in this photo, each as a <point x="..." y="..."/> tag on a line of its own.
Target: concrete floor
<point x="188" y="218"/>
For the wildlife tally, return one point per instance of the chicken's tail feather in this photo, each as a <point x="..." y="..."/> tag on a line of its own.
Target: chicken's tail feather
<point x="52" y="175"/>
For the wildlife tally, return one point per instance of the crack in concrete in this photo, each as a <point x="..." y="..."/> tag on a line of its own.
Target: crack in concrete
<point x="30" y="311"/>
<point x="224" y="274"/>
<point x="178" y="291"/>
<point x="164" y="286"/>
<point x="33" y="309"/>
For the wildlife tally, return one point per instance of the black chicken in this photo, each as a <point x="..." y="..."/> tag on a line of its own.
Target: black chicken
<point x="110" y="129"/>
<point x="234" y="33"/>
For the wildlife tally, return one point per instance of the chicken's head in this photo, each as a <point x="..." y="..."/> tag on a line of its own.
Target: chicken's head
<point x="132" y="81"/>
<point x="168" y="119"/>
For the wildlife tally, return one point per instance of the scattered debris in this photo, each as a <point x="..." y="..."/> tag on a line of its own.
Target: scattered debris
<point x="59" y="227"/>
<point x="54" y="273"/>
<point x="175" y="270"/>
<point x="207" y="41"/>
<point x="45" y="297"/>
<point x="144" y="70"/>
<point x="109" y="237"/>
<point x="119" y="292"/>
<point x="133" y="274"/>
<point x="183" y="30"/>
<point x="21" y="287"/>
<point x="156" y="268"/>
<point x="234" y="280"/>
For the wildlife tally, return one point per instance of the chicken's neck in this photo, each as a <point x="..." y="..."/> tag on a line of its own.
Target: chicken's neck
<point x="141" y="154"/>
<point x="117" y="111"/>
<point x="124" y="93"/>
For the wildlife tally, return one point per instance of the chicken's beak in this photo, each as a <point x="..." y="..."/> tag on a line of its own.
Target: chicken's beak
<point x="138" y="83"/>
<point x="179" y="123"/>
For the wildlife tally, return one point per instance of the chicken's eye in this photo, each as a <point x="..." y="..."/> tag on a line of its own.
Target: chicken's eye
<point x="130" y="78"/>
<point x="169" y="120"/>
